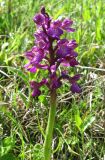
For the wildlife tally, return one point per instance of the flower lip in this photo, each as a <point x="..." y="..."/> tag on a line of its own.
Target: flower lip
<point x="75" y="88"/>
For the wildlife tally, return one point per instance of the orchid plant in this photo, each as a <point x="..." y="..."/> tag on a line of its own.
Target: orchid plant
<point x="49" y="53"/>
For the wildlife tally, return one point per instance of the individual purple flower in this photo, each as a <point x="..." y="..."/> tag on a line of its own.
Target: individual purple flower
<point x="69" y="61"/>
<point x="63" y="50"/>
<point x="66" y="47"/>
<point x="55" y="81"/>
<point x="66" y="25"/>
<point x="51" y="51"/>
<point x="39" y="19"/>
<point x="36" y="87"/>
<point x="55" y="32"/>
<point x="35" y="56"/>
<point x="75" y="88"/>
<point x="56" y="23"/>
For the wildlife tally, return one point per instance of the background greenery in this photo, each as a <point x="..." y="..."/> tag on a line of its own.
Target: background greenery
<point x="79" y="128"/>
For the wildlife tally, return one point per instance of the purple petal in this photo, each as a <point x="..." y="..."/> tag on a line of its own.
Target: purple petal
<point x="73" y="62"/>
<point x="54" y="32"/>
<point x="65" y="63"/>
<point x="75" y="88"/>
<point x="42" y="44"/>
<point x="36" y="87"/>
<point x="27" y="65"/>
<point x="42" y="66"/>
<point x="29" y="55"/>
<point x="43" y="11"/>
<point x="65" y="72"/>
<point x="65" y="48"/>
<point x="63" y="51"/>
<point x="66" y="23"/>
<point x="36" y="92"/>
<point x="32" y="69"/>
<point x="65" y="75"/>
<point x="75" y="78"/>
<point x="73" y="44"/>
<point x="70" y="29"/>
<point x="40" y="35"/>
<point x="53" y="68"/>
<point x="73" y="53"/>
<point x="37" y="58"/>
<point x="39" y="19"/>
<point x="55" y="82"/>
<point x="62" y="41"/>
<point x="69" y="61"/>
<point x="32" y="84"/>
<point x="57" y="23"/>
<point x="43" y="82"/>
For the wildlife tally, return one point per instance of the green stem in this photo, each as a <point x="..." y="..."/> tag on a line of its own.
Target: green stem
<point x="50" y="126"/>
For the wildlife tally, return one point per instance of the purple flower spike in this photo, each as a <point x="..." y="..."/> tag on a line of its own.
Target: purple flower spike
<point x="51" y="51"/>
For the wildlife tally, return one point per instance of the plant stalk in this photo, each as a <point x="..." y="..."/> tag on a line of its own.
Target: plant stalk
<point x="50" y="127"/>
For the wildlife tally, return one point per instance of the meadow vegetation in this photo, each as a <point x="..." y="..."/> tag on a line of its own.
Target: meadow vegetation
<point x="79" y="132"/>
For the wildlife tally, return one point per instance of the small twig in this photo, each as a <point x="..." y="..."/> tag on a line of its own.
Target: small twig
<point x="92" y="68"/>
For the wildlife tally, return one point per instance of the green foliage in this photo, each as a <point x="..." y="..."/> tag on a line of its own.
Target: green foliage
<point x="8" y="156"/>
<point x="85" y="122"/>
<point x="38" y="152"/>
<point x="5" y="147"/>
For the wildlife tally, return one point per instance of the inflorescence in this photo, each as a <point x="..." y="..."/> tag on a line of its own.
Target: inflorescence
<point x="51" y="51"/>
